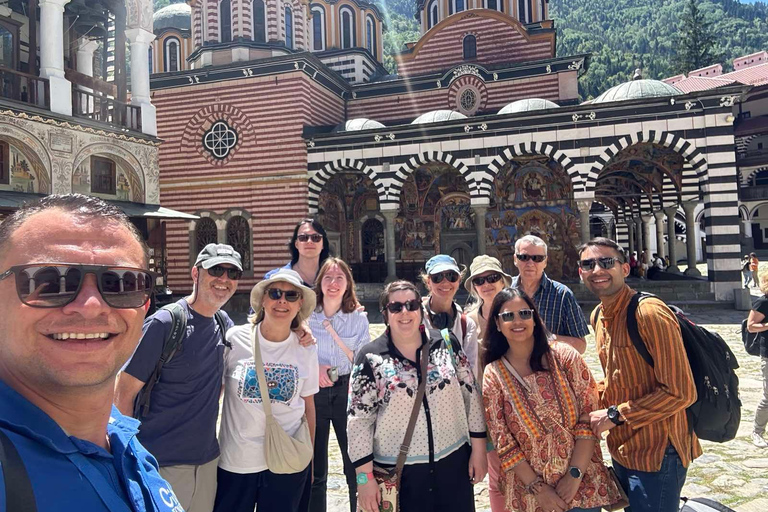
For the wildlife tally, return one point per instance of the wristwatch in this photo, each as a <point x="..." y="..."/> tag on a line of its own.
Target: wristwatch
<point x="614" y="415"/>
<point x="364" y="478"/>
<point x="575" y="472"/>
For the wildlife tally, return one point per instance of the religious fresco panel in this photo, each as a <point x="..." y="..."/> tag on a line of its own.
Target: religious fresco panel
<point x="24" y="176"/>
<point x="534" y="196"/>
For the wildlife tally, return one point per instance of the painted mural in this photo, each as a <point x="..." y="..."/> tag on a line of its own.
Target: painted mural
<point x="534" y="196"/>
<point x="81" y="182"/>
<point x="23" y="176"/>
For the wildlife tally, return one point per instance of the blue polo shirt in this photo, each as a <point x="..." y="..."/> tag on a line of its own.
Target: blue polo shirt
<point x="69" y="474"/>
<point x="558" y="308"/>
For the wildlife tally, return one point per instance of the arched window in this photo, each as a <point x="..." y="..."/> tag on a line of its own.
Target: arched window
<point x="318" y="28"/>
<point x="455" y="6"/>
<point x="239" y="237"/>
<point x="373" y="241"/>
<point x="288" y="27"/>
<point x="432" y="14"/>
<point x="259" y="21"/>
<point x="172" y="56"/>
<point x="103" y="176"/>
<point x="206" y="233"/>
<point x="470" y="47"/>
<point x="225" y="21"/>
<point x="347" y="27"/>
<point x="496" y="5"/>
<point x="524" y="11"/>
<point x="370" y="35"/>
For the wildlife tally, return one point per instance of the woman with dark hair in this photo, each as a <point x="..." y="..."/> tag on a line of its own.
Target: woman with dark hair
<point x="537" y="399"/>
<point x="309" y="248"/>
<point x="340" y="330"/>
<point x="447" y="450"/>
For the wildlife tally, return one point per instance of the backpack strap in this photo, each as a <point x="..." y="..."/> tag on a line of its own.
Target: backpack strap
<point x="219" y="317"/>
<point x="633" y="328"/>
<point x="446" y="333"/>
<point x="19" y="496"/>
<point x="593" y="316"/>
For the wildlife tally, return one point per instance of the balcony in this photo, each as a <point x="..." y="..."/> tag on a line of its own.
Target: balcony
<point x="753" y="193"/>
<point x="25" y="88"/>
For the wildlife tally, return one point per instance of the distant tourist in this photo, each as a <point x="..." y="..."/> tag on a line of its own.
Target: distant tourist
<point x="633" y="264"/>
<point x="309" y="247"/>
<point x="754" y="265"/>
<point x="758" y="322"/>
<point x="746" y="270"/>
<point x="658" y="262"/>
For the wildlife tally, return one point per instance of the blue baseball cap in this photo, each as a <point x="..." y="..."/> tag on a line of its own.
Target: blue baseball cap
<point x="441" y="263"/>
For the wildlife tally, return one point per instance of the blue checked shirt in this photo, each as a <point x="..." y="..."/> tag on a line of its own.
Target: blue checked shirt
<point x="558" y="308"/>
<point x="352" y="329"/>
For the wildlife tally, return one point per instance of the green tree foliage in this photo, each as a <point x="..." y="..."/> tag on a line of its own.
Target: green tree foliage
<point x="694" y="40"/>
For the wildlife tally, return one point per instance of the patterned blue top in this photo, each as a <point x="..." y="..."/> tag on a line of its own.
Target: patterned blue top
<point x="352" y="329"/>
<point x="558" y="308"/>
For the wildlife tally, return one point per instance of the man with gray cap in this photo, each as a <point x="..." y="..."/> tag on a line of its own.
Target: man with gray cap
<point x="179" y="411"/>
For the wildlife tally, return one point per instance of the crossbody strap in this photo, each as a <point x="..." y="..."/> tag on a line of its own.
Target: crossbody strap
<point x="415" y="411"/>
<point x="347" y="352"/>
<point x="19" y="496"/>
<point x="263" y="389"/>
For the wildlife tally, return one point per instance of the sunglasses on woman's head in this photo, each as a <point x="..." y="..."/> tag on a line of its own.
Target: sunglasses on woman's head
<point x="317" y="238"/>
<point x="537" y="258"/>
<point x="450" y="275"/>
<point x="277" y="294"/>
<point x="490" y="279"/>
<point x="524" y="314"/>
<point x="54" y="285"/>
<point x="410" y="305"/>
<point x="605" y="263"/>
<point x="232" y="273"/>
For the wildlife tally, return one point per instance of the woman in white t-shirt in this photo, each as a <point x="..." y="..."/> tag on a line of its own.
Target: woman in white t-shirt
<point x="281" y="303"/>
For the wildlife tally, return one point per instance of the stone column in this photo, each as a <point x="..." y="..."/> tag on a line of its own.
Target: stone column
<point x="584" y="206"/>
<point x="389" y="228"/>
<point x="670" y="211"/>
<point x="631" y="235"/>
<point x="659" y="216"/>
<point x="638" y="236"/>
<point x="52" y="55"/>
<point x="646" y="221"/>
<point x="690" y="237"/>
<point x="85" y="49"/>
<point x="139" y="40"/>
<point x="480" y="211"/>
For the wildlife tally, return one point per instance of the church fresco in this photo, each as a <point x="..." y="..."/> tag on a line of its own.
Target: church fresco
<point x="23" y="176"/>
<point x="81" y="182"/>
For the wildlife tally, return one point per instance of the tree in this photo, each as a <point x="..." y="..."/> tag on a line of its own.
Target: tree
<point x="694" y="41"/>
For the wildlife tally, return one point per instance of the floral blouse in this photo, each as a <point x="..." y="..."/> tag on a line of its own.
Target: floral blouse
<point x="542" y="426"/>
<point x="382" y="388"/>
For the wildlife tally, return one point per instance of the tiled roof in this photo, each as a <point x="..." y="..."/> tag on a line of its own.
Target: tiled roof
<point x="755" y="75"/>
<point x="702" y="83"/>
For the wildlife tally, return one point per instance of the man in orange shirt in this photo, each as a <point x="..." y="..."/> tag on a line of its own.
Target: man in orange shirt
<point x="754" y="264"/>
<point x="649" y="439"/>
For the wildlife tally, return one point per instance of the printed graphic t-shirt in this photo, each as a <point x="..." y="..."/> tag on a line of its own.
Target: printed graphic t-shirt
<point x="291" y="372"/>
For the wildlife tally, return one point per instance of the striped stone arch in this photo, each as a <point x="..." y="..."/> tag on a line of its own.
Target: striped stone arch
<point x="744" y="212"/>
<point x="526" y="149"/>
<point x="319" y="178"/>
<point x="745" y="179"/>
<point x="669" y="140"/>
<point x="408" y="167"/>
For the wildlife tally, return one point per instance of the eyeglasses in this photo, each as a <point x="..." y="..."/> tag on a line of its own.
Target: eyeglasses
<point x="54" y="285"/>
<point x="277" y="294"/>
<point x="490" y="279"/>
<point x="410" y="305"/>
<point x="606" y="263"/>
<point x="232" y="273"/>
<point x="450" y="275"/>
<point x="538" y="258"/>
<point x="524" y="314"/>
<point x="317" y="238"/>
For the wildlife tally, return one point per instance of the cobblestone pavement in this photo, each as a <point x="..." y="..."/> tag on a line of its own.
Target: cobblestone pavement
<point x="734" y="473"/>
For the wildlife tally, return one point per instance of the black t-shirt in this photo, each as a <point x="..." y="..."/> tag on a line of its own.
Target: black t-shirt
<point x="761" y="306"/>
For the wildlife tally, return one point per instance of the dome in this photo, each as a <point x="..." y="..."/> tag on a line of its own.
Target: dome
<point x="354" y="125"/>
<point x="528" y="105"/>
<point x="173" y="16"/>
<point x="637" y="89"/>
<point x="438" y="116"/>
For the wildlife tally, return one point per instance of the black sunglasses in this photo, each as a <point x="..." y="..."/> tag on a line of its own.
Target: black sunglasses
<point x="490" y="279"/>
<point x="538" y="258"/>
<point x="606" y="263"/>
<point x="232" y="273"/>
<point x="524" y="314"/>
<point x="314" y="237"/>
<point x="450" y="275"/>
<point x="277" y="294"/>
<point x="410" y="305"/>
<point x="54" y="285"/>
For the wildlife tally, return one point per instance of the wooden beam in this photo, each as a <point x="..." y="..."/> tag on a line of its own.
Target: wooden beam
<point x="120" y="72"/>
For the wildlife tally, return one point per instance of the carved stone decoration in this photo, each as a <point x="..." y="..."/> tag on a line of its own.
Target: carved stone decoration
<point x="466" y="69"/>
<point x="139" y="14"/>
<point x="728" y="101"/>
<point x="689" y="105"/>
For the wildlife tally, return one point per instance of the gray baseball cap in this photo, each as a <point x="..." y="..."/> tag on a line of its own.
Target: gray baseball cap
<point x="216" y="254"/>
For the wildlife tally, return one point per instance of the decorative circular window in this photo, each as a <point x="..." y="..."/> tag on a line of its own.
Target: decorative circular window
<point x="467" y="100"/>
<point x="220" y="139"/>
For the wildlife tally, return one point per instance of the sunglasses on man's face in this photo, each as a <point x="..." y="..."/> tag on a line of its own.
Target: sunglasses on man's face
<point x="537" y="258"/>
<point x="314" y="237"/>
<point x="605" y="263"/>
<point x="397" y="307"/>
<point x="232" y="273"/>
<point x="490" y="279"/>
<point x="277" y="294"/>
<point x="524" y="314"/>
<point x="54" y="285"/>
<point x="450" y="275"/>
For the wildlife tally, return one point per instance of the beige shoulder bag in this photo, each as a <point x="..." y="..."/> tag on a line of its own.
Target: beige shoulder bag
<point x="284" y="454"/>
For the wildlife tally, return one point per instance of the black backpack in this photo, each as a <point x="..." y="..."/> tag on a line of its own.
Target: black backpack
<point x="19" y="496"/>
<point x="171" y="345"/>
<point x="716" y="414"/>
<point x="703" y="505"/>
<point x="751" y="340"/>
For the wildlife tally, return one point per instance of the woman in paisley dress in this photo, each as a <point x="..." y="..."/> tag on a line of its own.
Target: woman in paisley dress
<point x="537" y="399"/>
<point x="447" y="450"/>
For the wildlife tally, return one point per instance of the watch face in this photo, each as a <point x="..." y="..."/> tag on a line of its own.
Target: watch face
<point x="575" y="472"/>
<point x="362" y="479"/>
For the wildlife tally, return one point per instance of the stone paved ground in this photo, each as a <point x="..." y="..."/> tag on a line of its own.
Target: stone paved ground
<point x="735" y="473"/>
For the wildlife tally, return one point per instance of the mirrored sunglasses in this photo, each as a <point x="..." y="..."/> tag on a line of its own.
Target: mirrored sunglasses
<point x="232" y="273"/>
<point x="490" y="279"/>
<point x="450" y="275"/>
<point x="605" y="263"/>
<point x="315" y="237"/>
<point x="397" y="307"/>
<point x="277" y="294"/>
<point x="54" y="285"/>
<point x="537" y="258"/>
<point x="508" y="316"/>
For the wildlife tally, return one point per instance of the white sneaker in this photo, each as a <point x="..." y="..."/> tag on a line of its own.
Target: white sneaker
<point x="757" y="440"/>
